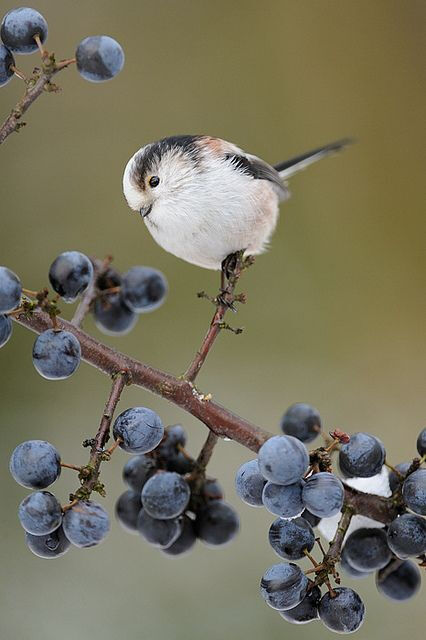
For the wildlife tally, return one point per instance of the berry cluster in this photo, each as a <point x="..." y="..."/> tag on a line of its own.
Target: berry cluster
<point x="24" y="31"/>
<point x="302" y="490"/>
<point x="117" y="302"/>
<point x="170" y="502"/>
<point x="50" y="530"/>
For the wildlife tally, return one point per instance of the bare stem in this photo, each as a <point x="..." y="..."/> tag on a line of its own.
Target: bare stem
<point x="223" y="301"/>
<point x="71" y="466"/>
<point x="36" y="85"/>
<point x="91" y="292"/>
<point x="207" y="451"/>
<point x="333" y="553"/>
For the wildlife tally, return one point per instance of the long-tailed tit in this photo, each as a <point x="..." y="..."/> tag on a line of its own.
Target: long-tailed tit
<point x="203" y="198"/>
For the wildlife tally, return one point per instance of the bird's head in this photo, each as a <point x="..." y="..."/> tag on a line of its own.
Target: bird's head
<point x="160" y="173"/>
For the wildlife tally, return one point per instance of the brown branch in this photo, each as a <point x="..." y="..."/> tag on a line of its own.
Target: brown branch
<point x="224" y="301"/>
<point x="333" y="554"/>
<point x="179" y="391"/>
<point x="37" y="84"/>
<point x="221" y="421"/>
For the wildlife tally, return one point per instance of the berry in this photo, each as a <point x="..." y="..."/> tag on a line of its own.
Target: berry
<point x="283" y="501"/>
<point x="127" y="509"/>
<point x="211" y="490"/>
<point x="306" y="611"/>
<point x="414" y="492"/>
<point x="290" y="538"/>
<point x="160" y="533"/>
<point x="283" y="586"/>
<point x="367" y="549"/>
<point x="394" y="479"/>
<point x="301" y="421"/>
<point x="313" y="520"/>
<point x="35" y="464"/>
<point x="40" y="513"/>
<point x="363" y="456"/>
<point x="175" y="435"/>
<point x="398" y="581"/>
<point x="10" y="290"/>
<point x="5" y="329"/>
<point x="99" y="58"/>
<point x="6" y="61"/>
<point x="19" y="27"/>
<point x="421" y="442"/>
<point x="165" y="495"/>
<point x="52" y="545"/>
<point x="407" y="535"/>
<point x="86" y="524"/>
<point x="144" y="289"/>
<point x="178" y="462"/>
<point x="139" y="428"/>
<point x="249" y="483"/>
<point x="343" y="613"/>
<point x="56" y="354"/>
<point x="112" y="316"/>
<point x="283" y="459"/>
<point x="186" y="540"/>
<point x="323" y="494"/>
<point x="70" y="274"/>
<point x="217" y="523"/>
<point x="349" y="569"/>
<point x="137" y="471"/>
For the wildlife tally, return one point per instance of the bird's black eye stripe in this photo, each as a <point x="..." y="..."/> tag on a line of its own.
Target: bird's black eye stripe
<point x="154" y="181"/>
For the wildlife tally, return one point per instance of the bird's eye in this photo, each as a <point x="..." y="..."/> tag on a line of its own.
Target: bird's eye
<point x="154" y="181"/>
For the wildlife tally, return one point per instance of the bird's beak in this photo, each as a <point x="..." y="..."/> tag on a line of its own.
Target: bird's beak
<point x="145" y="210"/>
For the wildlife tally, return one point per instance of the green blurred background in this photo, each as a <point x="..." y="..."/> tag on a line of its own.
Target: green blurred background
<point x="336" y="310"/>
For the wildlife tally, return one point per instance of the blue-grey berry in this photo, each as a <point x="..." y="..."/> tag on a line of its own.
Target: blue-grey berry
<point x="144" y="289"/>
<point x="185" y="541"/>
<point x="70" y="274"/>
<point x="86" y="524"/>
<point x="99" y="58"/>
<point x="35" y="464"/>
<point x="283" y="586"/>
<point x="291" y="538"/>
<point x="421" y="442"/>
<point x="284" y="501"/>
<point x="217" y="523"/>
<point x="6" y="61"/>
<point x="56" y="354"/>
<point x="344" y="612"/>
<point x="160" y="533"/>
<point x="349" y="569"/>
<point x="138" y="470"/>
<point x="18" y="28"/>
<point x="249" y="483"/>
<point x="165" y="495"/>
<point x="52" y="545"/>
<point x="139" y="428"/>
<point x="407" y="535"/>
<point x="399" y="580"/>
<point x="306" y="611"/>
<point x="5" y="329"/>
<point x="127" y="510"/>
<point x="323" y="494"/>
<point x="363" y="456"/>
<point x="395" y="479"/>
<point x="40" y="513"/>
<point x="301" y="421"/>
<point x="112" y="315"/>
<point x="414" y="492"/>
<point x="10" y="290"/>
<point x="283" y="459"/>
<point x="366" y="549"/>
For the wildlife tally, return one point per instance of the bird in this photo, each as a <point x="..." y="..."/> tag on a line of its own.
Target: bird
<point x="204" y="199"/>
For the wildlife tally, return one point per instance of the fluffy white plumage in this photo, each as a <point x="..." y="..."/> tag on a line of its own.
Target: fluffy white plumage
<point x="212" y="199"/>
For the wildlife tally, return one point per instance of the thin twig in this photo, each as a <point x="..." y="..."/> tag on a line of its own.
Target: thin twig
<point x="224" y="301"/>
<point x="36" y="85"/>
<point x="206" y="451"/>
